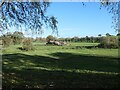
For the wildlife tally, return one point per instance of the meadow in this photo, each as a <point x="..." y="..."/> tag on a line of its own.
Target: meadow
<point x="78" y="65"/>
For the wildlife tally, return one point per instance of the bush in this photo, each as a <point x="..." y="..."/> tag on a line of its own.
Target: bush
<point x="109" y="42"/>
<point x="6" y="41"/>
<point x="17" y="37"/>
<point x="107" y="46"/>
<point x="9" y="38"/>
<point x="27" y="45"/>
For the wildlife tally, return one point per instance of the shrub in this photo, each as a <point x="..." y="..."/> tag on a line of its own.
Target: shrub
<point x="9" y="38"/>
<point x="6" y="41"/>
<point x="109" y="42"/>
<point x="27" y="44"/>
<point x="17" y="37"/>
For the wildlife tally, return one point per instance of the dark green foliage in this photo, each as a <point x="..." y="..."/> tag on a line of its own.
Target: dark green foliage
<point x="27" y="44"/>
<point x="118" y="34"/>
<point x="107" y="34"/>
<point x="99" y="35"/>
<point x="75" y="39"/>
<point x="81" y="39"/>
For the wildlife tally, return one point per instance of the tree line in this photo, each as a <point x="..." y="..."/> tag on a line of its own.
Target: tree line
<point x="108" y="41"/>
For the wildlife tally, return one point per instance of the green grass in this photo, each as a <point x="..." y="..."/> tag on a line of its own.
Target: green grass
<point x="73" y="66"/>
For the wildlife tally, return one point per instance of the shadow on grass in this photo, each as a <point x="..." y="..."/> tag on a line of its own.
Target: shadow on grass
<point x="32" y="71"/>
<point x="87" y="62"/>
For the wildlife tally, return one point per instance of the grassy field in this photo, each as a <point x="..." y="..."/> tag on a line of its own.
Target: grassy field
<point x="78" y="65"/>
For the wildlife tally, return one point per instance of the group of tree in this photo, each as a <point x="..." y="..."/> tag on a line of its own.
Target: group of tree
<point x="82" y="39"/>
<point x="12" y="38"/>
<point x="108" y="41"/>
<point x="17" y="38"/>
<point x="91" y="39"/>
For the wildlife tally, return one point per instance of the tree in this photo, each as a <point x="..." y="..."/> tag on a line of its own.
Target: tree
<point x="87" y="39"/>
<point x="113" y="8"/>
<point x="109" y="42"/>
<point x="17" y="37"/>
<point x="99" y="35"/>
<point x="107" y="34"/>
<point x="50" y="38"/>
<point x="118" y="34"/>
<point x="92" y="39"/>
<point x="75" y="39"/>
<point x="12" y="38"/>
<point x="32" y="15"/>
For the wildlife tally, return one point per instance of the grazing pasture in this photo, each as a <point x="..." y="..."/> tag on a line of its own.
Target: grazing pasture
<point x="78" y="65"/>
